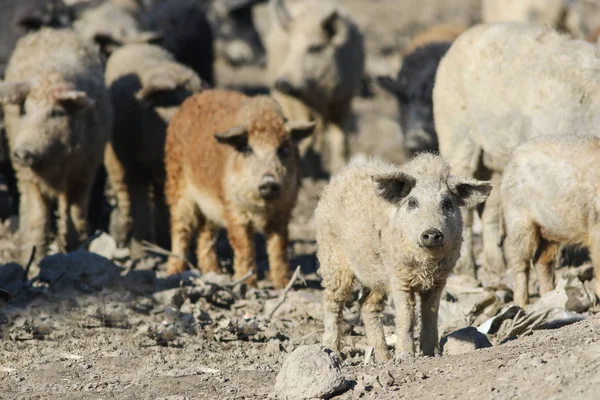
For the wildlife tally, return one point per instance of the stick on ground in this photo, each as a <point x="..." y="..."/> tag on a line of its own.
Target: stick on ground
<point x="153" y="248"/>
<point x="242" y="279"/>
<point x="283" y="295"/>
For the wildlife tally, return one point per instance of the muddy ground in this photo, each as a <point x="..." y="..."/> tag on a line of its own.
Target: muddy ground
<point x="133" y="333"/>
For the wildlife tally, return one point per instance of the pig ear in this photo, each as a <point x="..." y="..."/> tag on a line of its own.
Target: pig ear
<point x="333" y="25"/>
<point x="236" y="137"/>
<point x="32" y="20"/>
<point x="14" y="92"/>
<point x="150" y="37"/>
<point x="156" y="84"/>
<point x="393" y="187"/>
<point x="469" y="192"/>
<point x="281" y="14"/>
<point x="74" y="100"/>
<point x="391" y="85"/>
<point x="299" y="130"/>
<point x="107" y="42"/>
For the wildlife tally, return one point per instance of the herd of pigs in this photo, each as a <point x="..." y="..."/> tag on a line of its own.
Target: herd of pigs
<point x="113" y="102"/>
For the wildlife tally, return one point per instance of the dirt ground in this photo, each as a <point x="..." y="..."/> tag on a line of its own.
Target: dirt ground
<point x="147" y="336"/>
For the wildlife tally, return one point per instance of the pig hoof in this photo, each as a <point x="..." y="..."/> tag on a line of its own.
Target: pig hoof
<point x="280" y="283"/>
<point x="403" y="356"/>
<point x="175" y="270"/>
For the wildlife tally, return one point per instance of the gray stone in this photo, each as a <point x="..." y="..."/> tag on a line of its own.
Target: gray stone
<point x="143" y="281"/>
<point x="11" y="278"/>
<point x="104" y="245"/>
<point x="79" y="270"/>
<point x="463" y="341"/>
<point x="310" y="372"/>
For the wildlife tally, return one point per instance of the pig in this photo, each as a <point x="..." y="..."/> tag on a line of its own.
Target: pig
<point x="186" y="33"/>
<point x="413" y="90"/>
<point x="483" y="112"/>
<point x="111" y="24"/>
<point x="315" y="64"/>
<point x="147" y="87"/>
<point x="434" y="34"/>
<point x="236" y="38"/>
<point x="391" y="229"/>
<point x="58" y="118"/>
<point x="550" y="196"/>
<point x="577" y="18"/>
<point x="232" y="161"/>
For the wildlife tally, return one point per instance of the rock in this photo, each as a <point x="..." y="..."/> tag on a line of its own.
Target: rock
<point x="310" y="372"/>
<point x="463" y="341"/>
<point x="79" y="270"/>
<point x="11" y="278"/>
<point x="274" y="347"/>
<point x="300" y="304"/>
<point x="143" y="281"/>
<point x="170" y="297"/>
<point x="104" y="245"/>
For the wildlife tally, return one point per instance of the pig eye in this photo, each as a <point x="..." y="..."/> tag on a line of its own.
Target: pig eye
<point x="283" y="152"/>
<point x="57" y="113"/>
<point x="316" y="48"/>
<point x="245" y="149"/>
<point x="448" y="204"/>
<point x="412" y="203"/>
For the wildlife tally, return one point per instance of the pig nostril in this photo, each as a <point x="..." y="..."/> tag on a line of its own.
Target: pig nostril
<point x="23" y="157"/>
<point x="432" y="238"/>
<point x="284" y="86"/>
<point x="269" y="190"/>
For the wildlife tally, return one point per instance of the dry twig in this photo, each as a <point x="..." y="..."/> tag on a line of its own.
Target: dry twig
<point x="242" y="279"/>
<point x="153" y="248"/>
<point x="283" y="295"/>
<point x="29" y="263"/>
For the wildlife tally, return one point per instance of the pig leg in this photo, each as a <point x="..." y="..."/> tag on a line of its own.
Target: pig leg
<point x="141" y="213"/>
<point x="277" y="241"/>
<point x="545" y="265"/>
<point x="161" y="218"/>
<point x="371" y="310"/>
<point x="78" y="202"/>
<point x="430" y="304"/>
<point x="34" y="220"/>
<point x="521" y="243"/>
<point x="120" y="219"/>
<point x="404" y="302"/>
<point x="493" y="254"/>
<point x="184" y="220"/>
<point x="64" y="223"/>
<point x="338" y="279"/>
<point x="240" y="235"/>
<point x="205" y="248"/>
<point x="337" y="147"/>
<point x="595" y="255"/>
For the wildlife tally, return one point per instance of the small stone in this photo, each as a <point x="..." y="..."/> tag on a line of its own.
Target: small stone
<point x="143" y="281"/>
<point x="463" y="341"/>
<point x="274" y="347"/>
<point x="172" y="297"/>
<point x="310" y="372"/>
<point x="11" y="278"/>
<point x="386" y="379"/>
<point x="104" y="245"/>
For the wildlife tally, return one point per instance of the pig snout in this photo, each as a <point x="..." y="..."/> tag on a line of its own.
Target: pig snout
<point x="25" y="158"/>
<point x="432" y="238"/>
<point x="269" y="189"/>
<point x="285" y="86"/>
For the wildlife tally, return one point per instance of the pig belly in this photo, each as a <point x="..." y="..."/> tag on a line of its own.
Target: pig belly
<point x="210" y="205"/>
